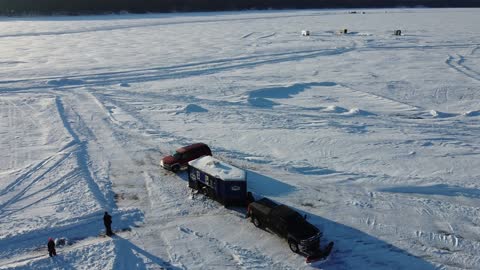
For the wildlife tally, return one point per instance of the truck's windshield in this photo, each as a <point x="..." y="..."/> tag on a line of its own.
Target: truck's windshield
<point x="177" y="155"/>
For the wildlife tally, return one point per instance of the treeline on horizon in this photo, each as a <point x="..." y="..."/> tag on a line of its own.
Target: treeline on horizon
<point x="78" y="7"/>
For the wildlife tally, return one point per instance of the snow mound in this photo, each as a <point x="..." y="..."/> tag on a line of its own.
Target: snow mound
<point x="261" y="102"/>
<point x="426" y="144"/>
<point x="437" y="114"/>
<point x="357" y="111"/>
<point x="335" y="109"/>
<point x="471" y="113"/>
<point x="65" y="82"/>
<point x="193" y="108"/>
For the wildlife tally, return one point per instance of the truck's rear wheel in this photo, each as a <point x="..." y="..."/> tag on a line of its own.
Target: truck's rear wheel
<point x="256" y="222"/>
<point x="293" y="245"/>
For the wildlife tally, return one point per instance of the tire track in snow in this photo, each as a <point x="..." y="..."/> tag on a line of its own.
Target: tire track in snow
<point x="248" y="35"/>
<point x="456" y="63"/>
<point x="134" y="26"/>
<point x="382" y="100"/>
<point x="82" y="157"/>
<point x="28" y="185"/>
<point x="163" y="73"/>
<point x="12" y="126"/>
<point x="474" y="50"/>
<point x="142" y="125"/>
<point x="243" y="258"/>
<point x="267" y="35"/>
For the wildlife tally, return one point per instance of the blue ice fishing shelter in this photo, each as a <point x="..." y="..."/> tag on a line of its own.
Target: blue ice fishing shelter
<point x="218" y="180"/>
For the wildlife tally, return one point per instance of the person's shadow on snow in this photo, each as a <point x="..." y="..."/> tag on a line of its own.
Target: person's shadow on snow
<point x="130" y="256"/>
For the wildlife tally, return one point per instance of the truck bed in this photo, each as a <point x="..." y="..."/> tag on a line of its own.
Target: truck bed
<point x="264" y="206"/>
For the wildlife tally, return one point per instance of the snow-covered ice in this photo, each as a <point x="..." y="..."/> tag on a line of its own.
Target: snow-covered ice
<point x="373" y="136"/>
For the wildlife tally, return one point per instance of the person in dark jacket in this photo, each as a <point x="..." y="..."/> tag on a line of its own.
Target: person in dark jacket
<point x="51" y="247"/>
<point x="107" y="220"/>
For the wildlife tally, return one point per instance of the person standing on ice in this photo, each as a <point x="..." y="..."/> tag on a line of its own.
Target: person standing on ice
<point x="51" y="247"/>
<point x="107" y="220"/>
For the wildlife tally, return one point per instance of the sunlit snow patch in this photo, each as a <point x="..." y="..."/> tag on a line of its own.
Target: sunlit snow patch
<point x="256" y="159"/>
<point x="364" y="34"/>
<point x="335" y="109"/>
<point x="434" y="113"/>
<point x="357" y="111"/>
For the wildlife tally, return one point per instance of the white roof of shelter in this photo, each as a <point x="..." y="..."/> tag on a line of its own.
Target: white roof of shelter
<point x="218" y="169"/>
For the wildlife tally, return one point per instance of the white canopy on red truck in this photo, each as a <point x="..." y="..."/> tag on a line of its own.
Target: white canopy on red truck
<point x="218" y="169"/>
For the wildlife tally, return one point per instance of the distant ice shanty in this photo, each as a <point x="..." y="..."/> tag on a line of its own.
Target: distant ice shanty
<point x="218" y="180"/>
<point x="397" y="32"/>
<point x="305" y="33"/>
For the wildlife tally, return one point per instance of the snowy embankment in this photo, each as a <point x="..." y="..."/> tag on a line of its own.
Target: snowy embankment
<point x="373" y="136"/>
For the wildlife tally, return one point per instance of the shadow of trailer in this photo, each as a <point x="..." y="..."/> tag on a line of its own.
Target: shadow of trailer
<point x="218" y="180"/>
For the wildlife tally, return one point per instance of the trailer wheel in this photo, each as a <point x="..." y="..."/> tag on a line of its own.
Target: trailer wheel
<point x="293" y="245"/>
<point x="256" y="222"/>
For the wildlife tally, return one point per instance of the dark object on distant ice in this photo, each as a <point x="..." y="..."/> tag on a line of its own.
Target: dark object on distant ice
<point x="305" y="33"/>
<point x="397" y="32"/>
<point x="51" y="247"/>
<point x="107" y="221"/>
<point x="125" y="85"/>
<point x="60" y="242"/>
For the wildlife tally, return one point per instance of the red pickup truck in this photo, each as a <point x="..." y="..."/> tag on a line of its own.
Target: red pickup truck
<point x="183" y="155"/>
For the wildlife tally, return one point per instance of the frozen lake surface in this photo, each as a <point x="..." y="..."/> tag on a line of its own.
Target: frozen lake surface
<point x="374" y="136"/>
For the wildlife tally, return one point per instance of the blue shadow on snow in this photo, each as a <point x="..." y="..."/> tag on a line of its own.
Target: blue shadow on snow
<point x="358" y="250"/>
<point x="267" y="186"/>
<point x="286" y="92"/>
<point x="259" y="184"/>
<point x="128" y="257"/>
<point x="440" y="189"/>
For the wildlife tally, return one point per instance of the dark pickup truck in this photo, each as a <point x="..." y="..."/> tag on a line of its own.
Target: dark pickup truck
<point x="302" y="236"/>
